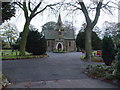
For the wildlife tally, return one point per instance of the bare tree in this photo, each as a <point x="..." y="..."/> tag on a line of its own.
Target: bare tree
<point x="31" y="9"/>
<point x="112" y="29"/>
<point x="94" y="5"/>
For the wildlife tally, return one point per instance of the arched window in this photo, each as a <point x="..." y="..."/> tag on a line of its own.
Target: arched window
<point x="69" y="43"/>
<point x="48" y="43"/>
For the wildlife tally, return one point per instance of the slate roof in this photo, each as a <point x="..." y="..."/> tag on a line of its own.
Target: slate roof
<point x="52" y="34"/>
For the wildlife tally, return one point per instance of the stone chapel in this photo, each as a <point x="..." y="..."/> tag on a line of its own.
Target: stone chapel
<point x="60" y="39"/>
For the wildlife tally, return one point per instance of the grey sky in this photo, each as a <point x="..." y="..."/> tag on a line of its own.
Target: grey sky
<point x="77" y="20"/>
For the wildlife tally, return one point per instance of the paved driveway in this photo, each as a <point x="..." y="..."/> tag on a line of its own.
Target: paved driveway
<point x="59" y="66"/>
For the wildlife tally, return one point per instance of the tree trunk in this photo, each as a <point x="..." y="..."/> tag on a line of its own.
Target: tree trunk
<point x="88" y="43"/>
<point x="24" y="38"/>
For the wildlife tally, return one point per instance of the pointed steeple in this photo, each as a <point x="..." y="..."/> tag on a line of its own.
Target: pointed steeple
<point x="59" y="23"/>
<point x="59" y="19"/>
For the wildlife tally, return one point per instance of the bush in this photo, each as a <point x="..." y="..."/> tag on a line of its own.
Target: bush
<point x="108" y="50"/>
<point x="101" y="71"/>
<point x="116" y="51"/>
<point x="117" y="66"/>
<point x="36" y="43"/>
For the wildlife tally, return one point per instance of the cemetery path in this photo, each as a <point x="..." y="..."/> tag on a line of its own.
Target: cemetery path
<point x="59" y="70"/>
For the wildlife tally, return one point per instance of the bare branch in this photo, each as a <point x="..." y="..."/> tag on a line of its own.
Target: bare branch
<point x="115" y="3"/>
<point x="109" y="10"/>
<point x="35" y="9"/>
<point x="29" y="2"/>
<point x="70" y="4"/>
<point x="44" y="9"/>
<point x="105" y="4"/>
<point x="91" y="8"/>
<point x="84" y="10"/>
<point x="19" y="4"/>
<point x="99" y="6"/>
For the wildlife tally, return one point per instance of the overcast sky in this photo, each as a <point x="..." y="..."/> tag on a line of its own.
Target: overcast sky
<point x="77" y="20"/>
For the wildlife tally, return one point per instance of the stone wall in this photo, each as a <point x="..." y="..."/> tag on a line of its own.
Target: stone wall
<point x="50" y="45"/>
<point x="70" y="45"/>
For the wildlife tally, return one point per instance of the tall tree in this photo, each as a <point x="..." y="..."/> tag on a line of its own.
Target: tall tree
<point x="49" y="26"/>
<point x="31" y="9"/>
<point x="80" y="41"/>
<point x="95" y="5"/>
<point x="113" y="29"/>
<point x="8" y="10"/>
<point x="9" y="33"/>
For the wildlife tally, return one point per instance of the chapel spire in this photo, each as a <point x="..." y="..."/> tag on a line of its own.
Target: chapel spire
<point x="59" y="23"/>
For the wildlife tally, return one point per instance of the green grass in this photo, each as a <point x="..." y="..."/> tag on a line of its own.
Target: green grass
<point x="97" y="59"/>
<point x="23" y="57"/>
<point x="59" y="51"/>
<point x="0" y="77"/>
<point x="9" y="55"/>
<point x="94" y="59"/>
<point x="82" y="57"/>
<point x="13" y="57"/>
<point x="94" y="52"/>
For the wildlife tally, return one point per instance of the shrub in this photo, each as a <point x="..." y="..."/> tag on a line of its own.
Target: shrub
<point x="117" y="66"/>
<point x="36" y="43"/>
<point x="116" y="51"/>
<point x="108" y="50"/>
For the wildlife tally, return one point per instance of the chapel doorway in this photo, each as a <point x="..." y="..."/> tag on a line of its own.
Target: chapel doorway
<point x="59" y="47"/>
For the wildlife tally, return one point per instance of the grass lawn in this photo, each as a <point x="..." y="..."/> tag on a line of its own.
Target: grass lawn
<point x="94" y="58"/>
<point x="59" y="51"/>
<point x="8" y="55"/>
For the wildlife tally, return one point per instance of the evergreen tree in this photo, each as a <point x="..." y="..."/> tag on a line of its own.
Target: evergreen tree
<point x="8" y="10"/>
<point x="117" y="69"/>
<point x="36" y="43"/>
<point x="108" y="54"/>
<point x="80" y="40"/>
